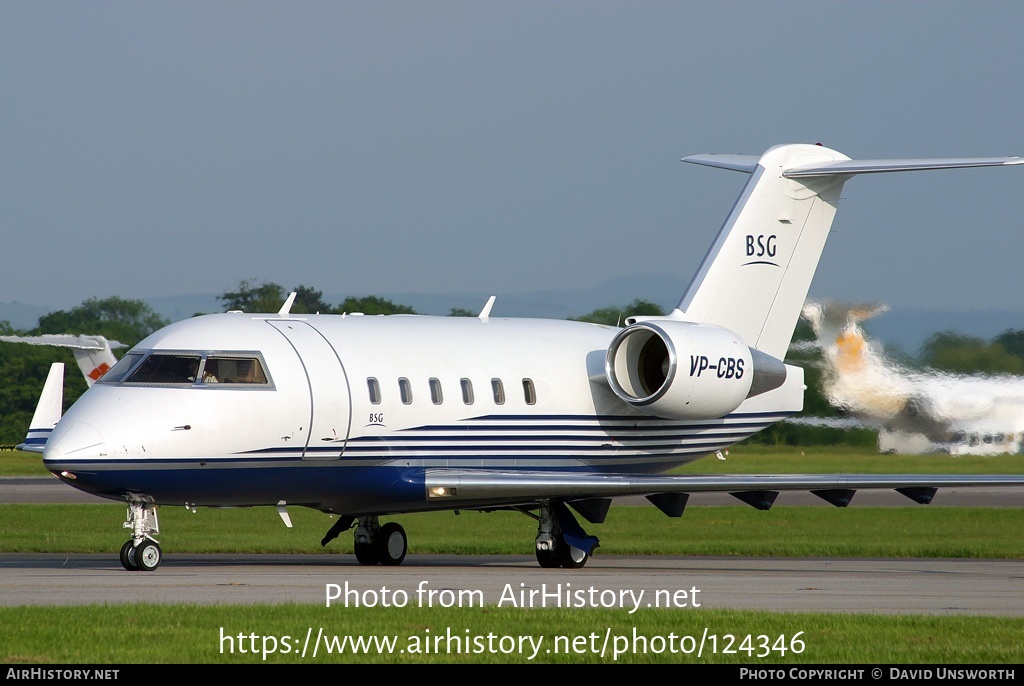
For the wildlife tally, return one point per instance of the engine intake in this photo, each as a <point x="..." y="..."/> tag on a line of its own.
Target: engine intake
<point x="683" y="370"/>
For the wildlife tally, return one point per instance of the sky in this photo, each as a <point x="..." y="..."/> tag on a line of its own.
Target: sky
<point x="156" y="149"/>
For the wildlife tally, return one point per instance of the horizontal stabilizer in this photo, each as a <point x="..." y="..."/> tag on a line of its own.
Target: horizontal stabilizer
<point x="48" y="410"/>
<point x="851" y="167"/>
<point x="740" y="163"/>
<point x="65" y="340"/>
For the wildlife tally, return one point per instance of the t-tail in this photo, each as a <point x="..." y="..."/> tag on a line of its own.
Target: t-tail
<point x="755" y="278"/>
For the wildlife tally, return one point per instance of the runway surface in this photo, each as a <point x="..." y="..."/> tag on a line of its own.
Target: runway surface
<point x="928" y="586"/>
<point x="931" y="586"/>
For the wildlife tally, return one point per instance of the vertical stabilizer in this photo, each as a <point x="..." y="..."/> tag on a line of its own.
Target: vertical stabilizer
<point x="755" y="278"/>
<point x="93" y="354"/>
<point x="48" y="410"/>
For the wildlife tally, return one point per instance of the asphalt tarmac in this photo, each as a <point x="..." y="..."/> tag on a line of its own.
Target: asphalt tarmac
<point x="896" y="586"/>
<point x="927" y="586"/>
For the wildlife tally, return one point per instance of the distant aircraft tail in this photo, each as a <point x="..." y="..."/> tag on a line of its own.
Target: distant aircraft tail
<point x="858" y="377"/>
<point x="93" y="353"/>
<point x="755" y="278"/>
<point x="48" y="410"/>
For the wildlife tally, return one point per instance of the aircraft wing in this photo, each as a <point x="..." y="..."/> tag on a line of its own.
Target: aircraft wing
<point x="758" y="490"/>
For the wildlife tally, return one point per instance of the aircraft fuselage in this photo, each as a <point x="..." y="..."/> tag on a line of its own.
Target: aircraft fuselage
<point x="351" y="409"/>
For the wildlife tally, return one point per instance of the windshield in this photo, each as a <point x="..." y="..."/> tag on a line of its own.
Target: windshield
<point x="192" y="368"/>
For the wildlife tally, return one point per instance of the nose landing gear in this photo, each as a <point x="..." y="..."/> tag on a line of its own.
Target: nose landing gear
<point x="141" y="553"/>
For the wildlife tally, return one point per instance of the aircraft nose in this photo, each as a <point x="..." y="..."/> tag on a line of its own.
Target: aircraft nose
<point x="73" y="440"/>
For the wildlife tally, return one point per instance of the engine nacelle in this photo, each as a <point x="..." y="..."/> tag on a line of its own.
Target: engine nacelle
<point x="683" y="370"/>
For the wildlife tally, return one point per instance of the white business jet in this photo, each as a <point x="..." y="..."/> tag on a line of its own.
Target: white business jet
<point x="366" y="416"/>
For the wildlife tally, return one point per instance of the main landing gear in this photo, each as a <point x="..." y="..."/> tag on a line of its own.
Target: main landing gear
<point x="141" y="553"/>
<point x="561" y="542"/>
<point x="376" y="544"/>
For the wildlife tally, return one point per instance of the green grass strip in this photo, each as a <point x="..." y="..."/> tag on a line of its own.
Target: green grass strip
<point x="277" y="634"/>
<point x="913" y="531"/>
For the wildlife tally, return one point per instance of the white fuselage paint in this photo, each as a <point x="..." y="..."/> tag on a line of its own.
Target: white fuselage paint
<point x="316" y="411"/>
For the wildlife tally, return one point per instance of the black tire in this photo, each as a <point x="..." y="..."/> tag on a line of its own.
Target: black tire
<point x="569" y="557"/>
<point x="147" y="555"/>
<point x="128" y="556"/>
<point x="391" y="544"/>
<point x="366" y="553"/>
<point x="548" y="559"/>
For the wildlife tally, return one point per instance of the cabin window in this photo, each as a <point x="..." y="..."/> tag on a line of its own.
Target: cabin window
<point x="405" y="391"/>
<point x="529" y="392"/>
<point x="498" y="390"/>
<point x="374" y="388"/>
<point x="467" y="391"/>
<point x="435" y="392"/>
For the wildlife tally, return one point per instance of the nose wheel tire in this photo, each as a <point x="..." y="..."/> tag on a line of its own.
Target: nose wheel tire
<point x="147" y="556"/>
<point x="128" y="556"/>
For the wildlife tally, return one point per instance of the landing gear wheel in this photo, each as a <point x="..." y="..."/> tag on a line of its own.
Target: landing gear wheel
<point x="147" y="556"/>
<point x="569" y="557"/>
<point x="366" y="553"/>
<point x="391" y="544"/>
<point x="548" y="559"/>
<point x="128" y="556"/>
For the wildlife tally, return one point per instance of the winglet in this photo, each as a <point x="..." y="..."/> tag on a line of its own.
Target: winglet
<point x="48" y="410"/>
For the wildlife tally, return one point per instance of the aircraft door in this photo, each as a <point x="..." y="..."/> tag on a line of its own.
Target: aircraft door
<point x="330" y="413"/>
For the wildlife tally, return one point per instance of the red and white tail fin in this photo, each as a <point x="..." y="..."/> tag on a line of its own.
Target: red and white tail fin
<point x="93" y="353"/>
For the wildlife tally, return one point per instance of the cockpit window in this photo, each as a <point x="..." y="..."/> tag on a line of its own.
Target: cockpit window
<point x="189" y="368"/>
<point x="159" y="368"/>
<point x="233" y="370"/>
<point x="122" y="368"/>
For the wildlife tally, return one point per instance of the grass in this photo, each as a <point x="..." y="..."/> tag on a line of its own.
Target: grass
<point x="203" y="634"/>
<point x="913" y="531"/>
<point x="144" y="633"/>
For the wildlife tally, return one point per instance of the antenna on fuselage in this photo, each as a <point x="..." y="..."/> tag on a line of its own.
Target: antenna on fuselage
<point x="286" y="308"/>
